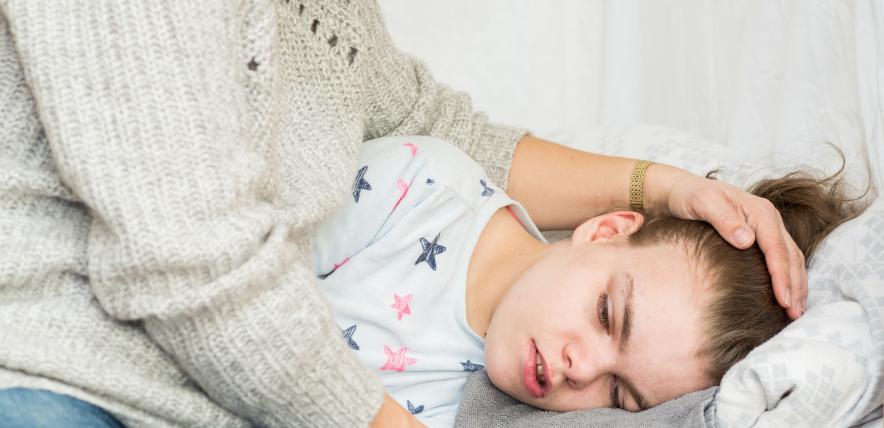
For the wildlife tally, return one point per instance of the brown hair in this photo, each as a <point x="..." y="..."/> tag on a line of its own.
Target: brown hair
<point x="743" y="312"/>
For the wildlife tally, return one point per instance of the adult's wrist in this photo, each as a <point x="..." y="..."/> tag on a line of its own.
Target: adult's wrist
<point x="660" y="179"/>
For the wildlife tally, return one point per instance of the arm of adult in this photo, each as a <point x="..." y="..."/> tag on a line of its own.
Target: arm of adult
<point x="143" y="107"/>
<point x="403" y="98"/>
<point x="561" y="187"/>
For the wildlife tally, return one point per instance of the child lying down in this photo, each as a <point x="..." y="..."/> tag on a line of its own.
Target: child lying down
<point x="433" y="273"/>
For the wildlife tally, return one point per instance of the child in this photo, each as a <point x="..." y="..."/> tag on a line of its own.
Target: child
<point x="433" y="273"/>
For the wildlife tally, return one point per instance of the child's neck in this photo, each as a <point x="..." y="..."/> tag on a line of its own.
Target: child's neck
<point x="504" y="251"/>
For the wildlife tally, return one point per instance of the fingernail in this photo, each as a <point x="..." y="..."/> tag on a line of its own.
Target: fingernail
<point x="788" y="299"/>
<point x="743" y="236"/>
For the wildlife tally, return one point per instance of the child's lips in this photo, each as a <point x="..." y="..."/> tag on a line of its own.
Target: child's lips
<point x="530" y="373"/>
<point x="547" y="372"/>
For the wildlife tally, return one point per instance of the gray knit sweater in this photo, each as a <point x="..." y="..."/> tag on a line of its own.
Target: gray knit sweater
<point x="162" y="164"/>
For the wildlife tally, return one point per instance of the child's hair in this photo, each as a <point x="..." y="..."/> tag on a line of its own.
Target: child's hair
<point x="743" y="312"/>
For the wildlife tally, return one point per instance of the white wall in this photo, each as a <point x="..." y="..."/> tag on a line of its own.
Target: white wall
<point x="770" y="79"/>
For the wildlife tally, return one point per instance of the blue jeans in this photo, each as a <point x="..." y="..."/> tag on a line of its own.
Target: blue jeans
<point x="36" y="408"/>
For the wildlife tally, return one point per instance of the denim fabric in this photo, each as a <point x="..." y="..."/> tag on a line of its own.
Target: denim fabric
<point x="35" y="408"/>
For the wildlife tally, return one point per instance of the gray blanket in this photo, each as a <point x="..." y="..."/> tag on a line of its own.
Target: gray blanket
<point x="483" y="405"/>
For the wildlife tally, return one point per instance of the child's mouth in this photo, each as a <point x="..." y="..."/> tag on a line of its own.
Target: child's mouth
<point x="536" y="373"/>
<point x="540" y="377"/>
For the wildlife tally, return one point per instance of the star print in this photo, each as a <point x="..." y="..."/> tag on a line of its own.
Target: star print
<point x="430" y="181"/>
<point x="400" y="304"/>
<point x="470" y="366"/>
<point x="403" y="189"/>
<point x="486" y="191"/>
<point x="348" y="337"/>
<point x="337" y="265"/>
<point x="334" y="268"/>
<point x="359" y="184"/>
<point x="397" y="361"/>
<point x="411" y="147"/>
<point x="429" y="252"/>
<point x="414" y="410"/>
<point x="253" y="65"/>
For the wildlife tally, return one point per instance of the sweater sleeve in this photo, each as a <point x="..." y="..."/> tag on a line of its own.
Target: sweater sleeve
<point x="143" y="107"/>
<point x="403" y="98"/>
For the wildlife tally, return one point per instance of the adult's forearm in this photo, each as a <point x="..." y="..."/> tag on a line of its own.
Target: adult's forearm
<point x="561" y="187"/>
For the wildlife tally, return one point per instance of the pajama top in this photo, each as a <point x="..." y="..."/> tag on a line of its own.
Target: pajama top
<point x="393" y="263"/>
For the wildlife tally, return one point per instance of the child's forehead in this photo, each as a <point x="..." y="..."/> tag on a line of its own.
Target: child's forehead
<point x="671" y="268"/>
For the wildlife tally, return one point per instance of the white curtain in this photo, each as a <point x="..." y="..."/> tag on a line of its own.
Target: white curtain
<point x="770" y="79"/>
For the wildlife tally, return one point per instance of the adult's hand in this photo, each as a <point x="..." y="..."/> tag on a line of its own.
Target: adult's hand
<point x="561" y="187"/>
<point x="740" y="218"/>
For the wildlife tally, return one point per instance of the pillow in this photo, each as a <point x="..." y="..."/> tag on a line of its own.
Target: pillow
<point x="485" y="406"/>
<point x="827" y="368"/>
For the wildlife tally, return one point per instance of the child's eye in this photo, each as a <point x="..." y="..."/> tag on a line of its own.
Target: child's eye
<point x="615" y="393"/>
<point x="602" y="309"/>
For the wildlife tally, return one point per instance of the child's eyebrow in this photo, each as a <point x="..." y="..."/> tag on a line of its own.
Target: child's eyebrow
<point x="639" y="399"/>
<point x="626" y="324"/>
<point x="625" y="331"/>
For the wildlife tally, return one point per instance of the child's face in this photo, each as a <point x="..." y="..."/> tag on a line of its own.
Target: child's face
<point x="556" y="311"/>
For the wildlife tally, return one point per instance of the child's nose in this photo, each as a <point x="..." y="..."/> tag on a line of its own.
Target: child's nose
<point x="584" y="363"/>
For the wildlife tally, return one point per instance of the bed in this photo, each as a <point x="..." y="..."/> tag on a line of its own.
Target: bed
<point x="755" y="86"/>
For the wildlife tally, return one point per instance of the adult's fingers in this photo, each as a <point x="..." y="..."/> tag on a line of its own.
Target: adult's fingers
<point x="719" y="209"/>
<point x="798" y="277"/>
<point x="784" y="260"/>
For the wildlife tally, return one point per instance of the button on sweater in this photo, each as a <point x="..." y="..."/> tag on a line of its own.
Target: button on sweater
<point x="162" y="166"/>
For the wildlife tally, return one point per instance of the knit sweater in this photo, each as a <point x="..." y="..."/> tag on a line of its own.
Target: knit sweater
<point x="162" y="164"/>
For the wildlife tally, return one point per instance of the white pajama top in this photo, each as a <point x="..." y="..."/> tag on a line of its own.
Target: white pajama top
<point x="393" y="263"/>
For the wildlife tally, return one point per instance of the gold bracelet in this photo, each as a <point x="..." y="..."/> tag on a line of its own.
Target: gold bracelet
<point x="637" y="185"/>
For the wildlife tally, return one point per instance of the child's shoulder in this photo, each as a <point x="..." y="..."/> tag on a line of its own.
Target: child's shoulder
<point x="440" y="161"/>
<point x="429" y="148"/>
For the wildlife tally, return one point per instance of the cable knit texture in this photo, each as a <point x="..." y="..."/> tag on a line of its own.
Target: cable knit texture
<point x="162" y="164"/>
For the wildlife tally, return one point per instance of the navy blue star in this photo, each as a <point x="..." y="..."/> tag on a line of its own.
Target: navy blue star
<point x="348" y="336"/>
<point x="412" y="409"/>
<point x="470" y="366"/>
<point x="429" y="252"/>
<point x="360" y="183"/>
<point x="486" y="191"/>
<point x="430" y="181"/>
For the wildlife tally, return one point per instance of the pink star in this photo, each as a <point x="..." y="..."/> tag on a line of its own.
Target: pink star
<point x="397" y="361"/>
<point x="403" y="189"/>
<point x="412" y="147"/>
<point x="337" y="265"/>
<point x="400" y="304"/>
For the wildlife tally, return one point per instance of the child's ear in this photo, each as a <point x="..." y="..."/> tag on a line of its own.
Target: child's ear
<point x="607" y="226"/>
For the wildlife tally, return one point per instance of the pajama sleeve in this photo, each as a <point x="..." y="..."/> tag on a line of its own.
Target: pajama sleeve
<point x="147" y="121"/>
<point x="404" y="99"/>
